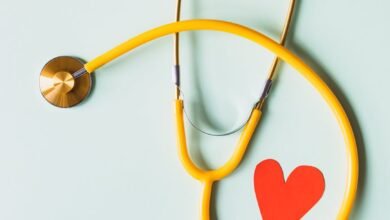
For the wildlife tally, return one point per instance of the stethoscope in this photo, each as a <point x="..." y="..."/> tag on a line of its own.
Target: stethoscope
<point x="66" y="81"/>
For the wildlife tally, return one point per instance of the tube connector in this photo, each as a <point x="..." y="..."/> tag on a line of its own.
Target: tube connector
<point x="264" y="94"/>
<point x="176" y="75"/>
<point x="176" y="80"/>
<point x="79" y="73"/>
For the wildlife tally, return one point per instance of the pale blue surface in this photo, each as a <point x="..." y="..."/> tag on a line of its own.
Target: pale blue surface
<point x="114" y="156"/>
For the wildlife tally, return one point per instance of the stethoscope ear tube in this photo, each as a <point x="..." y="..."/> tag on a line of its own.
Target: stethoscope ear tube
<point x="231" y="165"/>
<point x="267" y="86"/>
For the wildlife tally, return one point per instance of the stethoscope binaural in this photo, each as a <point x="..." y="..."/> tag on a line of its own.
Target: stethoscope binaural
<point x="267" y="86"/>
<point x="65" y="81"/>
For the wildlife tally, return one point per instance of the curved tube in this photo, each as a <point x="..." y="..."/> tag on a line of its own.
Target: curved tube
<point x="285" y="55"/>
<point x="233" y="162"/>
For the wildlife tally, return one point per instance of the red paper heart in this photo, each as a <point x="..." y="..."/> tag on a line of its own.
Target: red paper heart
<point x="287" y="200"/>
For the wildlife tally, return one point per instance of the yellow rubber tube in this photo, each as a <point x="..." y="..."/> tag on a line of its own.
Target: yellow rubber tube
<point x="233" y="162"/>
<point x="208" y="177"/>
<point x="206" y="200"/>
<point x="285" y="55"/>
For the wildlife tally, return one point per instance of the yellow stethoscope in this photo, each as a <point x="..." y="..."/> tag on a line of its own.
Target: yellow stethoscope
<point x="64" y="82"/>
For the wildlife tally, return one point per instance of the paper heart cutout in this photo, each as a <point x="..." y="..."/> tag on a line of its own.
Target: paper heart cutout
<point x="287" y="200"/>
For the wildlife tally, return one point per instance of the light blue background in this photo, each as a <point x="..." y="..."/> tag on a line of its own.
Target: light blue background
<point x="114" y="156"/>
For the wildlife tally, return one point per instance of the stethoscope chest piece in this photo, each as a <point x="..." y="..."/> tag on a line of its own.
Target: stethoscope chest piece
<point x="58" y="84"/>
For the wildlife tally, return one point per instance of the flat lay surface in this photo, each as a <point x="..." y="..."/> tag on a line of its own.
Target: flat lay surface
<point x="114" y="156"/>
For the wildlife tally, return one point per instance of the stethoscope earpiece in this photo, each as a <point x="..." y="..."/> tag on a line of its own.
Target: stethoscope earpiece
<point x="63" y="83"/>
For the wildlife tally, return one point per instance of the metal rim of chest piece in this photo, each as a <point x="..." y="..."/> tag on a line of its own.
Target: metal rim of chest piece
<point x="59" y="86"/>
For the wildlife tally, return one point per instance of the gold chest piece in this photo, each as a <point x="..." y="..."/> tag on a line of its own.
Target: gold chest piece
<point x="59" y="87"/>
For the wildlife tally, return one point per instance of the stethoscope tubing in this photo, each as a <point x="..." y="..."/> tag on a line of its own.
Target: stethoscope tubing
<point x="283" y="54"/>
